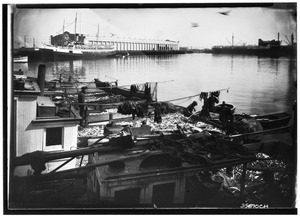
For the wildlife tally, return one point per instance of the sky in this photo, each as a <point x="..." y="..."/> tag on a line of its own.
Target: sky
<point x="193" y="27"/>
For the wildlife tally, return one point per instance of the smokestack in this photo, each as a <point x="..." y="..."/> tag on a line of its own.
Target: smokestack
<point x="278" y="36"/>
<point x="41" y="78"/>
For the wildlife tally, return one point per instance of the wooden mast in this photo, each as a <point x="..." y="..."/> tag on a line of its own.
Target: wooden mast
<point x="75" y="26"/>
<point x="97" y="37"/>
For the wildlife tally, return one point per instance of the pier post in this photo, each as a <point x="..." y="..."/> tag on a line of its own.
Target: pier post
<point x="41" y="78"/>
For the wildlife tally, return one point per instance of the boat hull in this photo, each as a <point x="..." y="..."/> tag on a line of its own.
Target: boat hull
<point x="119" y="90"/>
<point x="258" y="51"/>
<point x="53" y="55"/>
<point x="273" y="120"/>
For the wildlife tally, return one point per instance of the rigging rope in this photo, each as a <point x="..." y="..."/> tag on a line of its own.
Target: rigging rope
<point x="189" y="97"/>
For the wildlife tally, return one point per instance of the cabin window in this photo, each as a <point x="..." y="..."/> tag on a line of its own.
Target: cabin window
<point x="163" y="194"/>
<point x="53" y="138"/>
<point x="128" y="196"/>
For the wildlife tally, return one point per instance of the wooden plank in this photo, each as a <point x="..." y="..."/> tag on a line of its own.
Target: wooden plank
<point x="75" y="112"/>
<point x="25" y="160"/>
<point x="262" y="132"/>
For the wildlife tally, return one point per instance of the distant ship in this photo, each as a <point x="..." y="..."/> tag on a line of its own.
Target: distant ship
<point x="75" y="46"/>
<point x="264" y="48"/>
<point x="72" y="48"/>
<point x="69" y="46"/>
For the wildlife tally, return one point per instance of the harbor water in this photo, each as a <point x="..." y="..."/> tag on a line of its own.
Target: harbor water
<point x="256" y="85"/>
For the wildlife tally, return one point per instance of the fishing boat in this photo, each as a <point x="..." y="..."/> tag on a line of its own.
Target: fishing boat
<point x="21" y="59"/>
<point x="165" y="177"/>
<point x="146" y="91"/>
<point x="270" y="121"/>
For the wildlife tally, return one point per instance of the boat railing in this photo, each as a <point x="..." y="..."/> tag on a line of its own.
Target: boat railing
<point x="94" y="47"/>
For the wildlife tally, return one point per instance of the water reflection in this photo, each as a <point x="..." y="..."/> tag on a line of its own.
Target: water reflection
<point x="21" y="66"/>
<point x="257" y="85"/>
<point x="269" y="65"/>
<point x="67" y="69"/>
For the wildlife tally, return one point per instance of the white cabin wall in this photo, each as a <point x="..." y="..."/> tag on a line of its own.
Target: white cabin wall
<point x="28" y="139"/>
<point x="69" y="143"/>
<point x="70" y="137"/>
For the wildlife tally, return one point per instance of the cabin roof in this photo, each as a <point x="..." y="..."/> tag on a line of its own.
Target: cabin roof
<point x="134" y="164"/>
<point x="30" y="87"/>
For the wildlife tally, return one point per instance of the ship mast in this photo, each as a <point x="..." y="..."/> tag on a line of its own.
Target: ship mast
<point x="97" y="36"/>
<point x="62" y="38"/>
<point x="75" y="25"/>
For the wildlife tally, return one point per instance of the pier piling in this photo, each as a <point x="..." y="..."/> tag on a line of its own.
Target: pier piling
<point x="41" y="77"/>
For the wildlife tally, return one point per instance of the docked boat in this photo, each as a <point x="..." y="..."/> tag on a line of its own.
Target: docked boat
<point x="76" y="46"/>
<point x="275" y="120"/>
<point x="271" y="48"/>
<point x="21" y="59"/>
<point x="146" y="91"/>
<point x="167" y="178"/>
<point x="77" y="51"/>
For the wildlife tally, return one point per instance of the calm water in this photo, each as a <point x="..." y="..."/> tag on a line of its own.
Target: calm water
<point x="257" y="85"/>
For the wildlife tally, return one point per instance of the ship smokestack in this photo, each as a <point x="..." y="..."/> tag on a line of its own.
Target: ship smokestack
<point x="41" y="77"/>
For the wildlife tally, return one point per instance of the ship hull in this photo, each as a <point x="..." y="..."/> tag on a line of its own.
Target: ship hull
<point x="43" y="54"/>
<point x="288" y="51"/>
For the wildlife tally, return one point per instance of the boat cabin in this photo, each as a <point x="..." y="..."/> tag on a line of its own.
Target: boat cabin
<point x="39" y="125"/>
<point x="145" y="178"/>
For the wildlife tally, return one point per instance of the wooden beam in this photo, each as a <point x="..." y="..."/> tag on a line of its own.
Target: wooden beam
<point x="262" y="132"/>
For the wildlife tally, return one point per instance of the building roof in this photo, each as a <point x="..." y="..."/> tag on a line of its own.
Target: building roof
<point x="132" y="40"/>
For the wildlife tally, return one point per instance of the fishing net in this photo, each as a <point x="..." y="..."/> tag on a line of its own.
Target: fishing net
<point x="246" y="124"/>
<point x="149" y="89"/>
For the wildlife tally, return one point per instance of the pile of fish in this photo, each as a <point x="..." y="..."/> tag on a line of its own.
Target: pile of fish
<point x="170" y="122"/>
<point x="91" y="131"/>
<point x="94" y="97"/>
<point x="205" y="144"/>
<point x="105" y="99"/>
<point x="260" y="185"/>
<point x="107" y="111"/>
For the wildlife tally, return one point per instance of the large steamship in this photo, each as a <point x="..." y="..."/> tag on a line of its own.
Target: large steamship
<point x="72" y="46"/>
<point x="68" y="46"/>
<point x="264" y="48"/>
